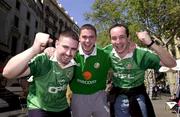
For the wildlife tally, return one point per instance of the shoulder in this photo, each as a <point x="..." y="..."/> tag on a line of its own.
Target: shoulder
<point x="108" y="48"/>
<point x="40" y="56"/>
<point x="101" y="51"/>
<point x="141" y="50"/>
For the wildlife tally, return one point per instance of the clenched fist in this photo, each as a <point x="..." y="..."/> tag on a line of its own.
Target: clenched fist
<point x="144" y="37"/>
<point x="40" y="42"/>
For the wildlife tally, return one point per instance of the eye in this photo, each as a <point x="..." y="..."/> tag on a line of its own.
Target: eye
<point x="122" y="37"/>
<point x="66" y="47"/>
<point x="113" y="38"/>
<point x="74" y="49"/>
<point x="88" y="37"/>
<point x="84" y="37"/>
<point x="91" y="37"/>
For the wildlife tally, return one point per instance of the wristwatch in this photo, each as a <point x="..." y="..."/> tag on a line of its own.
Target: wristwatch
<point x="152" y="42"/>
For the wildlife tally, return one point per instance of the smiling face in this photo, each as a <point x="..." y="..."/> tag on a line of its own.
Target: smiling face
<point x="66" y="48"/>
<point x="119" y="40"/>
<point x="87" y="40"/>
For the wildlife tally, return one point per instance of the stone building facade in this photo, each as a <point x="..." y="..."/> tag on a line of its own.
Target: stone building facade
<point x="20" y="20"/>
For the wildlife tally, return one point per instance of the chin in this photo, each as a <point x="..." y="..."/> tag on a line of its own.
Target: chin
<point x="86" y="49"/>
<point x="65" y="63"/>
<point x="120" y="51"/>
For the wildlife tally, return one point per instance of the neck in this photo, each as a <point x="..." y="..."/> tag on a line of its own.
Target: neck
<point x="122" y="55"/>
<point x="89" y="52"/>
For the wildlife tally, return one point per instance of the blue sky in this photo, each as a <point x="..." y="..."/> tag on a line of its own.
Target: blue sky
<point x="76" y="9"/>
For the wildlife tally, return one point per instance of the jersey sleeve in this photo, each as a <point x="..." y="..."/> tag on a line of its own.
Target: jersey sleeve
<point x="150" y="60"/>
<point x="39" y="65"/>
<point x="108" y="48"/>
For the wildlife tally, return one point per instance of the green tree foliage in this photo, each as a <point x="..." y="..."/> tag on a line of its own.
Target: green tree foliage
<point x="160" y="17"/>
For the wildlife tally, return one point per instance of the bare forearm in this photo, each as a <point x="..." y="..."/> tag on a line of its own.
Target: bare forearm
<point x="166" y="59"/>
<point x="18" y="64"/>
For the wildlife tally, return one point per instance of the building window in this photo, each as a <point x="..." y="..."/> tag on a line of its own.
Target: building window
<point x="60" y="22"/>
<point x="16" y="21"/>
<point x="28" y="15"/>
<point x="46" y="30"/>
<point x="27" y="30"/>
<point x="54" y="33"/>
<point x="36" y="24"/>
<point x="18" y="4"/>
<point x="13" y="45"/>
<point x="54" y="21"/>
<point x="60" y="25"/>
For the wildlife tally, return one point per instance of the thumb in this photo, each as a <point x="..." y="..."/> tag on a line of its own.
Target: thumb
<point x="50" y="42"/>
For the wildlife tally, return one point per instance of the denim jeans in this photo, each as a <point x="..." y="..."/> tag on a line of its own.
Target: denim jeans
<point x="121" y="106"/>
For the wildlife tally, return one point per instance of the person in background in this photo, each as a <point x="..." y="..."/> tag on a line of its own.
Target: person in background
<point x="129" y="63"/>
<point x="178" y="85"/>
<point x="47" y="90"/>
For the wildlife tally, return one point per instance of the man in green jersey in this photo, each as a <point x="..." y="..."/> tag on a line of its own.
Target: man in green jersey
<point x="47" y="91"/>
<point x="129" y="63"/>
<point x="90" y="76"/>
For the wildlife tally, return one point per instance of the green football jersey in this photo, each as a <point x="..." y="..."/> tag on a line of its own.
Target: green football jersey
<point x="129" y="72"/>
<point x="90" y="74"/>
<point x="47" y="91"/>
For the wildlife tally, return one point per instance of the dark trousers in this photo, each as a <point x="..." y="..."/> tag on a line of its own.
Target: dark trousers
<point x="42" y="113"/>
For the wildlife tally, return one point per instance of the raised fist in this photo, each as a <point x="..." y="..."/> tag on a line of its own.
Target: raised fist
<point x="40" y="42"/>
<point x="144" y="37"/>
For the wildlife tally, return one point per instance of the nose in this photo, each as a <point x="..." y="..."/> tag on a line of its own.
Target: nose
<point x="68" y="52"/>
<point x="118" y="40"/>
<point x="87" y="39"/>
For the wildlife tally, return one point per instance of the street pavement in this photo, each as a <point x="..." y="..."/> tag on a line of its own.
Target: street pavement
<point x="10" y="105"/>
<point x="159" y="103"/>
<point x="161" y="108"/>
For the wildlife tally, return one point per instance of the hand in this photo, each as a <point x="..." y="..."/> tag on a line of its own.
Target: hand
<point x="144" y="37"/>
<point x="40" y="42"/>
<point x="49" y="51"/>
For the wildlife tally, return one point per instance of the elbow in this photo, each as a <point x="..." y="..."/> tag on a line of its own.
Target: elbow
<point x="169" y="63"/>
<point x="7" y="75"/>
<point x="173" y="64"/>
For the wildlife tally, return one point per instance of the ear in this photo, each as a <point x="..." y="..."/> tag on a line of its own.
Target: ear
<point x="95" y="38"/>
<point x="129" y="39"/>
<point x="56" y="43"/>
